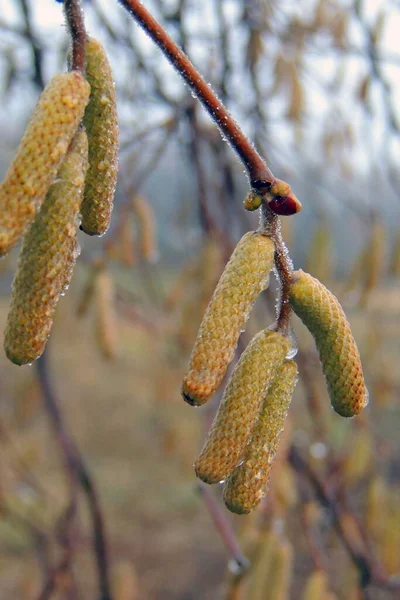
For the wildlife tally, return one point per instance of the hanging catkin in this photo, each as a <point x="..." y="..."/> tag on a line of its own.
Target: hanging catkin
<point x="46" y="261"/>
<point x="106" y="326"/>
<point x="322" y="314"/>
<point x="40" y="153"/>
<point x="101" y="122"/>
<point x="244" y="277"/>
<point x="245" y="486"/>
<point x="240" y="406"/>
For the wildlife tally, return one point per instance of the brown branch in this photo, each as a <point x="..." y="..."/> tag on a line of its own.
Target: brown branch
<point x="76" y="26"/>
<point x="78" y="474"/>
<point x="258" y="171"/>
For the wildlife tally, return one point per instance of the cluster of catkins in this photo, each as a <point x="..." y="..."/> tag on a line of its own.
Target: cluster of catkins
<point x="63" y="175"/>
<point x="243" y="439"/>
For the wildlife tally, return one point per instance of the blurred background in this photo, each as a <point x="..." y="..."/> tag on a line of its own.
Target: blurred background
<point x="315" y="85"/>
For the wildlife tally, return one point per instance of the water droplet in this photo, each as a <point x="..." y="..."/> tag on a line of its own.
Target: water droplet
<point x="318" y="450"/>
<point x="293" y="345"/>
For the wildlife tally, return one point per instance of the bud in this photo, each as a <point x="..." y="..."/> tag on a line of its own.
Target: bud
<point x="252" y="201"/>
<point x="244" y="278"/>
<point x="240" y="406"/>
<point x="245" y="486"/>
<point x="40" y="154"/>
<point x="101" y="122"/>
<point x="46" y="261"/>
<point x="281" y="199"/>
<point x="322" y="314"/>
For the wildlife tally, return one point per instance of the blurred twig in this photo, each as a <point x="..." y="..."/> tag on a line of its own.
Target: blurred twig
<point x="78" y="476"/>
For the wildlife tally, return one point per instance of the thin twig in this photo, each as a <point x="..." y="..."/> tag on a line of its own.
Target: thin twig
<point x="270" y="224"/>
<point x="224" y="528"/>
<point x="368" y="573"/>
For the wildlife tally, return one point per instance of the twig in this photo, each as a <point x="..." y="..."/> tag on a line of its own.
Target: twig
<point x="77" y="474"/>
<point x="224" y="528"/>
<point x="76" y="26"/>
<point x="270" y="224"/>
<point x="368" y="573"/>
<point x="37" y="50"/>
<point x="258" y="171"/>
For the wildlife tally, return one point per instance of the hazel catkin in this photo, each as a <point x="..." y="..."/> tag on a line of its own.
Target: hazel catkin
<point x="101" y="122"/>
<point x="240" y="406"/>
<point x="245" y="486"/>
<point x="106" y="328"/>
<point x="40" y="153"/>
<point x="46" y="260"/>
<point x="243" y="279"/>
<point x="322" y="314"/>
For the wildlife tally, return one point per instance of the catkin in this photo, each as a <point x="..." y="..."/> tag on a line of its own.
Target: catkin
<point x="146" y="228"/>
<point x="394" y="268"/>
<point x="106" y="318"/>
<point x="316" y="587"/>
<point x="245" y="486"/>
<point x="40" y="153"/>
<point x="374" y="260"/>
<point x="46" y="261"/>
<point x="244" y="277"/>
<point x="322" y="314"/>
<point x="101" y="122"/>
<point x="240" y="406"/>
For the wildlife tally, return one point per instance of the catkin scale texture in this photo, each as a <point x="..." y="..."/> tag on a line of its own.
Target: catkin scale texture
<point x="246" y="484"/>
<point x="244" y="277"/>
<point x="40" y="153"/>
<point x="46" y="260"/>
<point x="101" y="122"/>
<point x="322" y="314"/>
<point x="240" y="406"/>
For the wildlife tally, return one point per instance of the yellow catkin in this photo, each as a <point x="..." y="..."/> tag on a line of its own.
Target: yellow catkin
<point x="106" y="319"/>
<point x="322" y="314"/>
<point x="320" y="253"/>
<point x="101" y="122"/>
<point x="124" y="582"/>
<point x="244" y="277"/>
<point x="240" y="406"/>
<point x="40" y="153"/>
<point x="46" y="261"/>
<point x="89" y="288"/>
<point x="261" y="565"/>
<point x="146" y="228"/>
<point x="316" y="587"/>
<point x="278" y="584"/>
<point x="126" y="242"/>
<point x="360" y="458"/>
<point x="376" y="501"/>
<point x="391" y="532"/>
<point x="183" y="282"/>
<point x="394" y="268"/>
<point x="374" y="260"/>
<point x="245" y="486"/>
